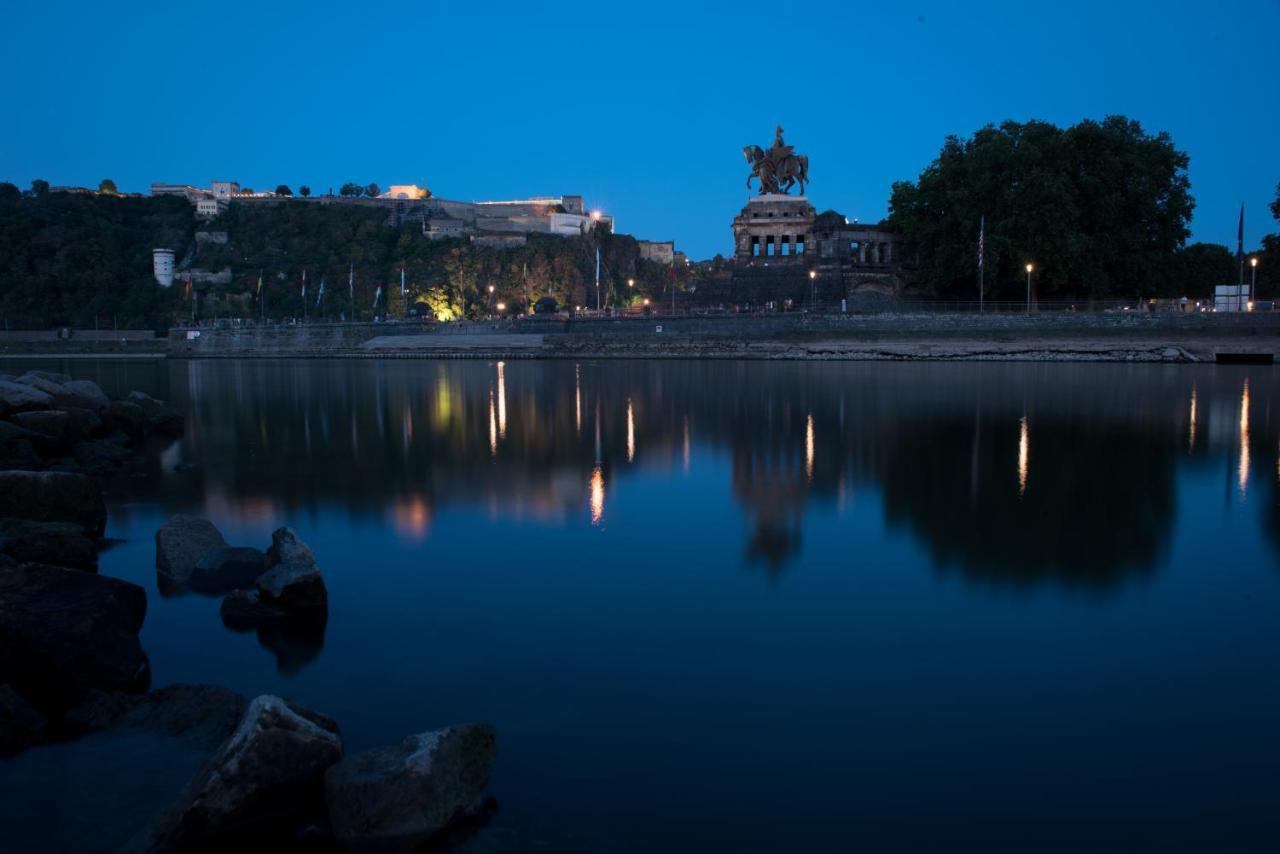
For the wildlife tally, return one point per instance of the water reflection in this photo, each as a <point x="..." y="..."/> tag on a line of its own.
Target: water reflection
<point x="936" y="443"/>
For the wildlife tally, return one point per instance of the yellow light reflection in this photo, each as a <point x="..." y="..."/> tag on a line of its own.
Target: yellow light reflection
<point x="1244" y="437"/>
<point x="808" y="448"/>
<point x="502" y="402"/>
<point x="577" y="397"/>
<point x="597" y="495"/>
<point x="1024" y="453"/>
<point x="631" y="432"/>
<point x="493" y="427"/>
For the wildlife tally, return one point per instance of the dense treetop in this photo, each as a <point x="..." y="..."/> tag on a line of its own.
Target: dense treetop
<point x="1101" y="209"/>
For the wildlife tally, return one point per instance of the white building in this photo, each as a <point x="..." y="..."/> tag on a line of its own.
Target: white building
<point x="224" y="189"/>
<point x="162" y="266"/>
<point x="208" y="208"/>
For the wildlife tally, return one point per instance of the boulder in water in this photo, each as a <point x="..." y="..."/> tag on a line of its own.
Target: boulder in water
<point x="18" y="397"/>
<point x="159" y="417"/>
<point x="64" y="632"/>
<point x="260" y="786"/>
<point x="181" y="542"/>
<point x="396" y="798"/>
<point x="293" y="580"/>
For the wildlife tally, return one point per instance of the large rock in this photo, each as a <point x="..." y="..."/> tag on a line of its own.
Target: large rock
<point x="202" y="715"/>
<point x="58" y="543"/>
<point x="84" y="422"/>
<point x="126" y="417"/>
<point x="48" y="376"/>
<point x="393" y="799"/>
<point x="52" y="423"/>
<point x="83" y="394"/>
<point x="286" y="547"/>
<point x="159" y="417"/>
<point x="99" y="456"/>
<point x="264" y="782"/>
<point x="21" y="724"/>
<point x="294" y="587"/>
<point x="17" y="397"/>
<point x="181" y="542"/>
<point x="220" y="570"/>
<point x="64" y="632"/>
<point x="54" y="497"/>
<point x="293" y="580"/>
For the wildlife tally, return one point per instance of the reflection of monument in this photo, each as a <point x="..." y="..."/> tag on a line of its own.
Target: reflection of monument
<point x="780" y="239"/>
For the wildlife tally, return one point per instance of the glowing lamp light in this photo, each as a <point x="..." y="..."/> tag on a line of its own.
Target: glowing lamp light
<point x="502" y="306"/>
<point x="595" y="214"/>
<point x="646" y="300"/>
<point x="1253" y="262"/>
<point x="1030" y="268"/>
<point x="813" y="274"/>
<point x="491" y="289"/>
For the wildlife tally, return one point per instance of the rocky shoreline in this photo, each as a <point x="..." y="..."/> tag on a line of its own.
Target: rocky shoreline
<point x="72" y="667"/>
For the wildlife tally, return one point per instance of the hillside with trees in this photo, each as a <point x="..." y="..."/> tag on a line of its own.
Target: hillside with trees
<point x="84" y="259"/>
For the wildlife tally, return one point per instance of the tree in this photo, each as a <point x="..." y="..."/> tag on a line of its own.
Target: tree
<point x="283" y="190"/>
<point x="349" y="190"/>
<point x="39" y="187"/>
<point x="304" y="191"/>
<point x="9" y="192"/>
<point x="1205" y="266"/>
<point x="1275" y="206"/>
<point x="1100" y="208"/>
<point x="107" y="186"/>
<point x="372" y="190"/>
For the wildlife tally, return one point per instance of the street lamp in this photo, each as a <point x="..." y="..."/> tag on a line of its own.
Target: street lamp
<point x="813" y="288"/>
<point x="1029" y="269"/>
<point x="1253" y="283"/>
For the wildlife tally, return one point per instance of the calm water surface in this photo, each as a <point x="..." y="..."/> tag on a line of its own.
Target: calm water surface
<point x="729" y="606"/>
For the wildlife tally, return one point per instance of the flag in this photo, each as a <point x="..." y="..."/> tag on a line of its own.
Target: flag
<point x="259" y="284"/>
<point x="1240" y="236"/>
<point x="377" y="295"/>
<point x="982" y="244"/>
<point x="304" y="285"/>
<point x="320" y="294"/>
<point x="351" y="284"/>
<point x="401" y="280"/>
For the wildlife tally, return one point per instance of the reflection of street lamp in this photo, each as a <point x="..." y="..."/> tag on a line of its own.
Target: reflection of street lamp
<point x="1029" y="269"/>
<point x="813" y="288"/>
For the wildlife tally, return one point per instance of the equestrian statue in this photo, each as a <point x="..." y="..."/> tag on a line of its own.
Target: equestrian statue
<point x="778" y="169"/>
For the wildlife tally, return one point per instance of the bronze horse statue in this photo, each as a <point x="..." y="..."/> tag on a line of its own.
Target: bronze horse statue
<point x="777" y="169"/>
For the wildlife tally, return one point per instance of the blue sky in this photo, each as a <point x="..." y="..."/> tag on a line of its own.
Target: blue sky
<point x="641" y="107"/>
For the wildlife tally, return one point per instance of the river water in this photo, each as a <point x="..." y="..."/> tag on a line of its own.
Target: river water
<point x="753" y="606"/>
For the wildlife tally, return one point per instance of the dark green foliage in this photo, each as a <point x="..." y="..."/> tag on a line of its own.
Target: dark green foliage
<point x="372" y="190"/>
<point x="107" y="186"/>
<point x="283" y="190"/>
<point x="71" y="258"/>
<point x="1100" y="208"/>
<point x="1205" y="266"/>
<point x="304" y="191"/>
<point x="349" y="189"/>
<point x="445" y="278"/>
